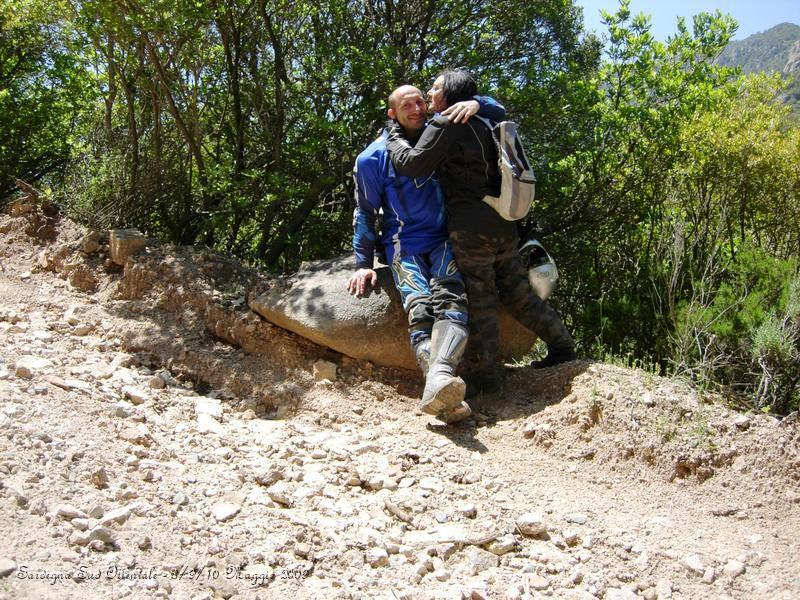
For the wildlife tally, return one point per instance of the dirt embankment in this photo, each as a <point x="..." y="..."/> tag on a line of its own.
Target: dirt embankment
<point x="160" y="440"/>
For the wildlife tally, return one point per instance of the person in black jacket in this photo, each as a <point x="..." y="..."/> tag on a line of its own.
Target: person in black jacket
<point x="484" y="244"/>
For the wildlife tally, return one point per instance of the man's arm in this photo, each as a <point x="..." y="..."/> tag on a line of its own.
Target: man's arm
<point x="485" y="106"/>
<point x="368" y="200"/>
<point x="430" y="150"/>
<point x="491" y="109"/>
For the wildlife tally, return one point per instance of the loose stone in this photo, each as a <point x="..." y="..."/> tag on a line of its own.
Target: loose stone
<point x="68" y="512"/>
<point x="7" y="567"/>
<point x="502" y="545"/>
<point x="377" y="557"/>
<point x="537" y="582"/>
<point x="324" y="369"/>
<point x="223" y="511"/>
<point x="28" y="366"/>
<point x="695" y="564"/>
<point x="100" y="478"/>
<point x="479" y="560"/>
<point x="733" y="569"/>
<point x="531" y="524"/>
<point x="102" y="534"/>
<point x="135" y="395"/>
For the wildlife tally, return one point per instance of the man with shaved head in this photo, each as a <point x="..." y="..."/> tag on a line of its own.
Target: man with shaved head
<point x="413" y="235"/>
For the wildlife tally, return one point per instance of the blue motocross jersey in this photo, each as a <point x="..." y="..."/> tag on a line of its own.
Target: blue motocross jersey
<point x="411" y="209"/>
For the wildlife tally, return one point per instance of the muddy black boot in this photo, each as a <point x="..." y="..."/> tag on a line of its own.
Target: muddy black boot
<point x="484" y="381"/>
<point x="443" y="389"/>
<point x="555" y="356"/>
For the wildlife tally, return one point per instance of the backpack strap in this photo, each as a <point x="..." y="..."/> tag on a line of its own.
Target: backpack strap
<point x="488" y="122"/>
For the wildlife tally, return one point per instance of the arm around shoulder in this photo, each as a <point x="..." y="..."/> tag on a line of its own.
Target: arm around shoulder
<point x="429" y="152"/>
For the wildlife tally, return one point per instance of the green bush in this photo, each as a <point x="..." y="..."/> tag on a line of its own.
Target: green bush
<point x="776" y="351"/>
<point x="745" y="339"/>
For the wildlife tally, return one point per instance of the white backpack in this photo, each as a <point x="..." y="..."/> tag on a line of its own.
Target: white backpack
<point x="518" y="183"/>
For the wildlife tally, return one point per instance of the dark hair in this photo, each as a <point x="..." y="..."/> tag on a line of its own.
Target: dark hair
<point x="458" y="85"/>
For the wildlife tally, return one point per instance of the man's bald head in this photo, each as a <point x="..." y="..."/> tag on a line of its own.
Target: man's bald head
<point x="402" y="90"/>
<point x="407" y="106"/>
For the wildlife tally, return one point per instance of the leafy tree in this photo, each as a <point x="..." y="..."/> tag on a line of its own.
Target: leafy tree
<point x="44" y="88"/>
<point x="236" y="123"/>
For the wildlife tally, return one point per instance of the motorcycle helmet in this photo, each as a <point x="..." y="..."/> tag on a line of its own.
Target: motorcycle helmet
<point x="542" y="271"/>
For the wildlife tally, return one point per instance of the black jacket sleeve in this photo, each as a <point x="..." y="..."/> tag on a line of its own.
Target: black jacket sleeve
<point x="430" y="151"/>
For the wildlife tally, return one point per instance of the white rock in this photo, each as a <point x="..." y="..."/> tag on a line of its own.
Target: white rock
<point x="44" y="336"/>
<point x="281" y="493"/>
<point x="432" y="484"/>
<point x="28" y="366"/>
<point x="13" y="411"/>
<point x="207" y="406"/>
<point x="577" y="519"/>
<point x="377" y="557"/>
<point x="72" y="314"/>
<point x="620" y="594"/>
<point x="742" y="422"/>
<point x="7" y="567"/>
<point x="223" y="511"/>
<point x="124" y="243"/>
<point x="479" y="560"/>
<point x="324" y="369"/>
<point x="67" y="384"/>
<point x="121" y="409"/>
<point x="531" y="524"/>
<point x="117" y="515"/>
<point x="318" y="454"/>
<point x="502" y="545"/>
<point x="663" y="589"/>
<point x="733" y="568"/>
<point x="138" y="434"/>
<point x="103" y="534"/>
<point x="83" y="329"/>
<point x="135" y="395"/>
<point x="537" y="582"/>
<point x="571" y="537"/>
<point x="468" y="510"/>
<point x="695" y="564"/>
<point x="513" y="593"/>
<point x="65" y="511"/>
<point x="576" y="576"/>
<point x="78" y="538"/>
<point x="208" y="424"/>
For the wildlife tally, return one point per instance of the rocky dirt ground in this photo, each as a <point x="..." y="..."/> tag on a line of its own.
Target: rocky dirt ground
<point x="159" y="440"/>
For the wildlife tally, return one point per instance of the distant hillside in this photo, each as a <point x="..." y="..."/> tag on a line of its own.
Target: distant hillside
<point x="777" y="49"/>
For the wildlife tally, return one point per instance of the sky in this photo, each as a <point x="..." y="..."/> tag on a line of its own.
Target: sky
<point x="753" y="16"/>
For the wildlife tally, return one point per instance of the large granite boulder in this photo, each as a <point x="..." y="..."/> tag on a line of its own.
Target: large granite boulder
<point x="314" y="303"/>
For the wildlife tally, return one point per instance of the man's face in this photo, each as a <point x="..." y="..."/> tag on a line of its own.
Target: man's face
<point x="409" y="108"/>
<point x="436" y="96"/>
